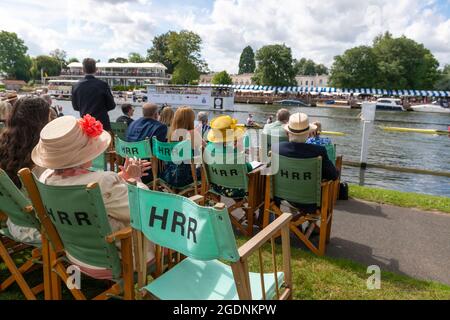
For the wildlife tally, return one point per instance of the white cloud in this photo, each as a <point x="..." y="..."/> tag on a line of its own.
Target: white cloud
<point x="312" y="28"/>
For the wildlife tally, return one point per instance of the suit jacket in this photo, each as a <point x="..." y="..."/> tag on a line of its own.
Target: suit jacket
<point x="125" y="119"/>
<point x="93" y="96"/>
<point x="146" y="128"/>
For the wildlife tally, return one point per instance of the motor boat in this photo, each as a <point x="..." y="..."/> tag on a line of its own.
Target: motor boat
<point x="389" y="104"/>
<point x="433" y="108"/>
<point x="292" y="103"/>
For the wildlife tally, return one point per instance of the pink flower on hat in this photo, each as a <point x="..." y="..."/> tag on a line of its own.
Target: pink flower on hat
<point x="90" y="126"/>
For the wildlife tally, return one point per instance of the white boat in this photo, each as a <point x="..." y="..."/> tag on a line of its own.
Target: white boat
<point x="201" y="97"/>
<point x="434" y="108"/>
<point x="389" y="104"/>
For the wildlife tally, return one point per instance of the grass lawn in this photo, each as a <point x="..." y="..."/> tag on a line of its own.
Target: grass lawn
<point x="401" y="199"/>
<point x="313" y="277"/>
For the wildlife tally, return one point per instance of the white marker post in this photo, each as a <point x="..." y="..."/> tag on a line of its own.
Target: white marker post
<point x="368" y="116"/>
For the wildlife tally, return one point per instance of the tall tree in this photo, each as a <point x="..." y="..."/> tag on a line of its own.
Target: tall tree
<point x="135" y="57"/>
<point x="247" y="61"/>
<point x="118" y="60"/>
<point x="50" y="66"/>
<point x="71" y="60"/>
<point x="185" y="53"/>
<point x="159" y="51"/>
<point x="275" y="66"/>
<point x="307" y="67"/>
<point x="222" y="78"/>
<point x="444" y="79"/>
<point x="13" y="59"/>
<point x="61" y="56"/>
<point x="356" y="68"/>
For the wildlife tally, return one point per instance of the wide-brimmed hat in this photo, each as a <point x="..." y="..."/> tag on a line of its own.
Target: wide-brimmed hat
<point x="67" y="143"/>
<point x="299" y="125"/>
<point x="10" y="97"/>
<point x="225" y="129"/>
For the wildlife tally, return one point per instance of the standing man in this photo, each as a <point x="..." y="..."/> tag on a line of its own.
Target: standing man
<point x="93" y="96"/>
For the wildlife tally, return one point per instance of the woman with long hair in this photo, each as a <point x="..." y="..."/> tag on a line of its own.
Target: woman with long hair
<point x="166" y="116"/>
<point x="21" y="135"/>
<point x="182" y="128"/>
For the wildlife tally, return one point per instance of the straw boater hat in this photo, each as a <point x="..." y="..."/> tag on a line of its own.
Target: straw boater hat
<point x="67" y="143"/>
<point x="225" y="129"/>
<point x="299" y="125"/>
<point x="10" y="97"/>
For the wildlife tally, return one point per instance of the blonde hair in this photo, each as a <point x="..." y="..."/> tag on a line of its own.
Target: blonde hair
<point x="166" y="116"/>
<point x="183" y="119"/>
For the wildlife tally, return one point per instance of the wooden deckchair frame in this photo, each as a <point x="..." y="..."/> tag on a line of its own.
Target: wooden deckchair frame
<point x="57" y="252"/>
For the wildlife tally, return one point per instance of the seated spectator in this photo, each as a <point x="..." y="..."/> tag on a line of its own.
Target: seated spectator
<point x="128" y="112"/>
<point x="182" y="128"/>
<point x="67" y="148"/>
<point x="5" y="110"/>
<point x="166" y="116"/>
<point x="223" y="137"/>
<point x="148" y="126"/>
<point x="202" y="118"/>
<point x="23" y="126"/>
<point x="315" y="138"/>
<point x="277" y="128"/>
<point x="298" y="129"/>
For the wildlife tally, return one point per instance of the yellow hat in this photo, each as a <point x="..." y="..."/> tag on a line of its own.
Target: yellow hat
<point x="225" y="129"/>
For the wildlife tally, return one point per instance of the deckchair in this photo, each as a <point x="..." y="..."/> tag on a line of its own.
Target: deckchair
<point x="18" y="209"/>
<point x="235" y="176"/>
<point x="204" y="235"/>
<point x="82" y="233"/>
<point x="119" y="129"/>
<point x="164" y="152"/>
<point x="123" y="149"/>
<point x="300" y="181"/>
<point x="99" y="163"/>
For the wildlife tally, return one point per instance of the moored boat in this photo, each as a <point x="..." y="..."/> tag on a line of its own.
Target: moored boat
<point x="432" y="108"/>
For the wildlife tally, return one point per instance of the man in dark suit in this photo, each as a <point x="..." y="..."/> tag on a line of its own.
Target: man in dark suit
<point x="93" y="96"/>
<point x="148" y="126"/>
<point x="298" y="130"/>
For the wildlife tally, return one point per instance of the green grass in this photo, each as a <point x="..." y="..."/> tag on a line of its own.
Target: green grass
<point x="401" y="199"/>
<point x="314" y="278"/>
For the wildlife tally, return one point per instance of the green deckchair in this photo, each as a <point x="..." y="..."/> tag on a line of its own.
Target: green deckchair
<point x="80" y="219"/>
<point x="230" y="171"/>
<point x="119" y="129"/>
<point x="177" y="152"/>
<point x="300" y="181"/>
<point x="204" y="235"/>
<point x="99" y="163"/>
<point x="18" y="210"/>
<point x="140" y="150"/>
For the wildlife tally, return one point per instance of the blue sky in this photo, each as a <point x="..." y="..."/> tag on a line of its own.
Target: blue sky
<point x="312" y="28"/>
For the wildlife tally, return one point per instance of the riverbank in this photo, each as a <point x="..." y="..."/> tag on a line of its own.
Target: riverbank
<point x="401" y="199"/>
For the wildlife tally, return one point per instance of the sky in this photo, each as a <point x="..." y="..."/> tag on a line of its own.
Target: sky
<point x="314" y="29"/>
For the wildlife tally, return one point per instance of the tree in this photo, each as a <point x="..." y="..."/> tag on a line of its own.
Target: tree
<point x="356" y="68"/>
<point x="72" y="60"/>
<point x="222" y="78"/>
<point x="159" y="51"/>
<point x="118" y="60"/>
<point x="307" y="67"/>
<point x="275" y="66"/>
<point x="184" y="51"/>
<point x="61" y="56"/>
<point x="49" y="65"/>
<point x="444" y="79"/>
<point x="247" y="61"/>
<point x="135" y="57"/>
<point x="13" y="59"/>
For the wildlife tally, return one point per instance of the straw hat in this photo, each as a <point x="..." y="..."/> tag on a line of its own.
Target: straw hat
<point x="225" y="129"/>
<point x="67" y="143"/>
<point x="10" y="97"/>
<point x="299" y="125"/>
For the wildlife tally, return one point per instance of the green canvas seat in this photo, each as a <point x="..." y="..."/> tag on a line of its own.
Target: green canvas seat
<point x="99" y="163"/>
<point x="230" y="171"/>
<point x="20" y="212"/>
<point x="300" y="181"/>
<point x="140" y="150"/>
<point x="176" y="152"/>
<point x="82" y="228"/>
<point x="119" y="129"/>
<point x="204" y="235"/>
<point x="208" y="280"/>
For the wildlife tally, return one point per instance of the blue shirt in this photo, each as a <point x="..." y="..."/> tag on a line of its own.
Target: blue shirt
<point x="146" y="128"/>
<point x="319" y="141"/>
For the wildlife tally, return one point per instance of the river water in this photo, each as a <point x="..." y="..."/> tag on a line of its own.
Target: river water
<point x="412" y="150"/>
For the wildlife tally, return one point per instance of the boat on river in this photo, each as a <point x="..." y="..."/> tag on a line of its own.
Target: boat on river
<point x="432" y="108"/>
<point x="292" y="103"/>
<point x="390" y="104"/>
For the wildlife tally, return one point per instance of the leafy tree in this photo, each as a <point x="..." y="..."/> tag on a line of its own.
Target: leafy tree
<point x="72" y="60"/>
<point x="159" y="51"/>
<point x="444" y="79"/>
<point x="49" y="65"/>
<point x="275" y="66"/>
<point x="184" y="51"/>
<point x="135" y="57"/>
<point x="13" y="59"/>
<point x="61" y="56"/>
<point x="222" y="78"/>
<point x="118" y="60"/>
<point x="356" y="68"/>
<point x="247" y="61"/>
<point x="307" y="67"/>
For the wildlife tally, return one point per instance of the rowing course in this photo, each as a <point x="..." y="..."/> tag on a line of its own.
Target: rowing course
<point x="398" y="149"/>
